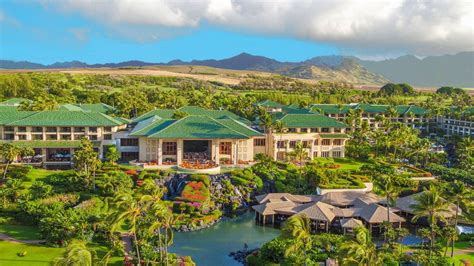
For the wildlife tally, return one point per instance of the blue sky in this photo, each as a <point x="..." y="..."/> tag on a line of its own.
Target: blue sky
<point x="38" y="34"/>
<point x="100" y="31"/>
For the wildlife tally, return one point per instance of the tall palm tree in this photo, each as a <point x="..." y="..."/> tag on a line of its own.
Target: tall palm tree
<point x="361" y="250"/>
<point x="9" y="152"/>
<point x="430" y="204"/>
<point x="462" y="196"/>
<point x="127" y="208"/>
<point x="298" y="228"/>
<point x="76" y="254"/>
<point x="299" y="154"/>
<point x="389" y="186"/>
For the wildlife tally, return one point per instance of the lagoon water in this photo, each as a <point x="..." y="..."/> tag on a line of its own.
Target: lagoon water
<point x="211" y="246"/>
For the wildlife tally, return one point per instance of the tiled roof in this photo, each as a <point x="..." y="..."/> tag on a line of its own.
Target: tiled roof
<point x="202" y="127"/>
<point x="377" y="214"/>
<point x="310" y="120"/>
<point x="351" y="223"/>
<point x="368" y="108"/>
<point x="57" y="118"/>
<point x="192" y="110"/>
<point x="318" y="211"/>
<point x="405" y="204"/>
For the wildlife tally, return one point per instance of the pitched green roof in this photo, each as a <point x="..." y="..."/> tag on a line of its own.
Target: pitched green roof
<point x="58" y="118"/>
<point x="368" y="108"/>
<point x="151" y="126"/>
<point x="331" y="108"/>
<point x="14" y="101"/>
<point x="269" y="103"/>
<point x="199" y="127"/>
<point x="334" y="136"/>
<point x="98" y="107"/>
<point x="309" y="121"/>
<point x="192" y="110"/>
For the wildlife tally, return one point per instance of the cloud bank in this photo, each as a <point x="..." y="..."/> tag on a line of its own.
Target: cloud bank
<point x="422" y="27"/>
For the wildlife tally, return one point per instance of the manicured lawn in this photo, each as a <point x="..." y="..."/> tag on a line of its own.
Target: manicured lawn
<point x="20" y="232"/>
<point x="37" y="174"/>
<point x="345" y="163"/>
<point x="101" y="251"/>
<point x="467" y="256"/>
<point x="35" y="254"/>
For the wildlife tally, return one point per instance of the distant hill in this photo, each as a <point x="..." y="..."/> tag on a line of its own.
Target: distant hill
<point x="453" y="70"/>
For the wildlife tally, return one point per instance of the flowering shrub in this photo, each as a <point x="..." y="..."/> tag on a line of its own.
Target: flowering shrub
<point x="131" y="172"/>
<point x="195" y="192"/>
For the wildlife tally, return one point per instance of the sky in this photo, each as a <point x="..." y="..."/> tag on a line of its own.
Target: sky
<point x="101" y="31"/>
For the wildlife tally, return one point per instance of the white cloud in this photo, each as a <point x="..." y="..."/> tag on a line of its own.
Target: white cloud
<point x="415" y="26"/>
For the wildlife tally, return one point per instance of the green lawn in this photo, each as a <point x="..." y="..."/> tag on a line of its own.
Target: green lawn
<point x="101" y="251"/>
<point x="345" y="163"/>
<point x="35" y="254"/>
<point x="20" y="232"/>
<point x="37" y="174"/>
<point x="467" y="256"/>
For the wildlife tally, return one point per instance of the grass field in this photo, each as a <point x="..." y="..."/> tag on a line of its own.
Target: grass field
<point x="37" y="174"/>
<point x="20" y="232"/>
<point x="35" y="254"/>
<point x="468" y="256"/>
<point x="345" y="163"/>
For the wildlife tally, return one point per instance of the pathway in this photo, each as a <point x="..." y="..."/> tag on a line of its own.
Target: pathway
<point x="464" y="251"/>
<point x="14" y="240"/>
<point x="127" y="243"/>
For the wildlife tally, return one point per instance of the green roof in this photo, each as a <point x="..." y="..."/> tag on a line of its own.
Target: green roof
<point x="368" y="108"/>
<point x="269" y="103"/>
<point x="52" y="143"/>
<point x="309" y="121"/>
<point x="194" y="127"/>
<point x="57" y="118"/>
<point x="192" y="110"/>
<point x="334" y="136"/>
<point x="14" y="101"/>
<point x="92" y="107"/>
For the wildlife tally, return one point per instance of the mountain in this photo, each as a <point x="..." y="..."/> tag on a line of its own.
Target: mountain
<point x="453" y="70"/>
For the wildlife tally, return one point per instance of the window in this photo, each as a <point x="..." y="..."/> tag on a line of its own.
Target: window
<point x="108" y="136"/>
<point x="9" y="129"/>
<point x="65" y="129"/>
<point x="304" y="130"/>
<point x="325" y="154"/>
<point x="259" y="142"/>
<point x="92" y="129"/>
<point x="325" y="129"/>
<point x="281" y="144"/>
<point x="326" y="142"/>
<point x="292" y="144"/>
<point x="128" y="142"/>
<point x="225" y="148"/>
<point x="314" y="130"/>
<point x="338" y="142"/>
<point x="93" y="137"/>
<point x="65" y="137"/>
<point x="337" y="130"/>
<point x="79" y="129"/>
<point x="336" y="154"/>
<point x="51" y="129"/>
<point x="128" y="156"/>
<point x="37" y="137"/>
<point x="107" y="129"/>
<point x="316" y="142"/>
<point x="21" y="137"/>
<point x="292" y="130"/>
<point x="51" y="137"/>
<point x="21" y="129"/>
<point x="9" y="136"/>
<point x="37" y="129"/>
<point x="306" y="144"/>
<point x="169" y="148"/>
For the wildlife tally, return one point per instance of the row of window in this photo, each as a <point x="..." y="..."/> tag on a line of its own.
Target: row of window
<point x="9" y="136"/>
<point x="307" y="143"/>
<point x="325" y="154"/>
<point x="55" y="129"/>
<point x="312" y="130"/>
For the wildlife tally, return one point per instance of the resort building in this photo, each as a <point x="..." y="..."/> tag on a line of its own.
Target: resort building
<point x="336" y="211"/>
<point x="411" y="115"/>
<point x="53" y="135"/>
<point x="461" y="124"/>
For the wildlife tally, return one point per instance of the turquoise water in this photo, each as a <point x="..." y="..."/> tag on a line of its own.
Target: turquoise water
<point x="211" y="246"/>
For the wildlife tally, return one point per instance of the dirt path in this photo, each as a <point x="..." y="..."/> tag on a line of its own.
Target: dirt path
<point x="464" y="251"/>
<point x="14" y="240"/>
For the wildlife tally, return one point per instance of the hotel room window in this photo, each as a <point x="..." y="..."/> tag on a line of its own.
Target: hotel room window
<point x="259" y="142"/>
<point x="338" y="142"/>
<point x="292" y="144"/>
<point x="326" y="142"/>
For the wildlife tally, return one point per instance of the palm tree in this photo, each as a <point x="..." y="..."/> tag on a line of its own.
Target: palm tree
<point x="361" y="250"/>
<point x="168" y="222"/>
<point x="430" y="204"/>
<point x="462" y="196"/>
<point x="128" y="209"/>
<point x="9" y="152"/>
<point x="298" y="228"/>
<point x="299" y="154"/>
<point x="76" y="254"/>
